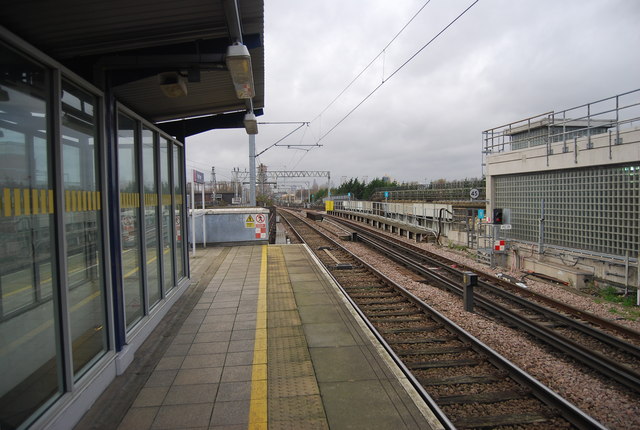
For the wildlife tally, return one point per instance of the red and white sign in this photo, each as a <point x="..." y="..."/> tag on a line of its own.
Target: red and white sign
<point x="500" y="245"/>
<point x="260" y="219"/>
<point x="261" y="232"/>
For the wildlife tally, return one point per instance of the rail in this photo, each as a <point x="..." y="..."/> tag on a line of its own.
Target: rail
<point x="421" y="262"/>
<point x="415" y="335"/>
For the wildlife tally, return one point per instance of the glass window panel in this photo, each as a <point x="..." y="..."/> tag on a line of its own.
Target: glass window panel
<point x="585" y="210"/>
<point x="179" y="217"/>
<point x="130" y="219"/>
<point x="149" y="163"/>
<point x="29" y="326"/>
<point x="82" y="218"/>
<point x="167" y="216"/>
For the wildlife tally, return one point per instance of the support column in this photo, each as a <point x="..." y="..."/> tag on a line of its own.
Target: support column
<point x="252" y="170"/>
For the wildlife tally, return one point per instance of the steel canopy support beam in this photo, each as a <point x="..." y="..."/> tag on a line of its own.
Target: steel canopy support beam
<point x="232" y="15"/>
<point x="189" y="127"/>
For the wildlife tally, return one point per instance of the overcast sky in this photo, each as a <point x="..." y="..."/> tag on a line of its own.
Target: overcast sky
<point x="502" y="61"/>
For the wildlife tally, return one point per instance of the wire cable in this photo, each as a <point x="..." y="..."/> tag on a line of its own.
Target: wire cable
<point x="283" y="138"/>
<point x="397" y="70"/>
<point x="372" y="61"/>
<point x="350" y="83"/>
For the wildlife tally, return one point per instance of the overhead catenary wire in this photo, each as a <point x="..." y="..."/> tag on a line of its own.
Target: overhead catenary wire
<point x="372" y="61"/>
<point x="396" y="71"/>
<point x="350" y="83"/>
<point x="283" y="138"/>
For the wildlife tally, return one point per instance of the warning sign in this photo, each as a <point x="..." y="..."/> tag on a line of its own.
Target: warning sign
<point x="260" y="218"/>
<point x="261" y="232"/>
<point x="249" y="222"/>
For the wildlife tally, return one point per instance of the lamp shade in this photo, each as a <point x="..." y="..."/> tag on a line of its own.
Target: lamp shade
<point x="250" y="123"/>
<point x="172" y="84"/>
<point x="239" y="64"/>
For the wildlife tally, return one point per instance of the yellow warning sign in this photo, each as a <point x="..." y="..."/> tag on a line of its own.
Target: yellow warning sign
<point x="328" y="205"/>
<point x="249" y="222"/>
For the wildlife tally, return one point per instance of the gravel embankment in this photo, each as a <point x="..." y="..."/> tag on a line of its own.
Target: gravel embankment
<point x="614" y="407"/>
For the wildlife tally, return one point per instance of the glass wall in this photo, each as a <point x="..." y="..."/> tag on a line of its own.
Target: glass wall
<point x="132" y="285"/>
<point x="83" y="228"/>
<point x="593" y="209"/>
<point x="178" y="176"/>
<point x="54" y="322"/>
<point x="167" y="218"/>
<point x="29" y="327"/>
<point x="149" y="166"/>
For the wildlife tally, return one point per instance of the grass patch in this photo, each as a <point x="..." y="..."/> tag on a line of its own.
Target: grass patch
<point x="626" y="304"/>
<point x="455" y="247"/>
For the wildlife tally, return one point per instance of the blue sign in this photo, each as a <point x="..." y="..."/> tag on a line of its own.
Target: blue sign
<point x="481" y="213"/>
<point x="198" y="177"/>
<point x="386" y="194"/>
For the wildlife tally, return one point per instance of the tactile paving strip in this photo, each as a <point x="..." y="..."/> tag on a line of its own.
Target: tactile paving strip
<point x="277" y="356"/>
<point x="290" y="370"/>
<point x="281" y="302"/>
<point x="286" y="331"/>
<point x="282" y="318"/>
<point x="294" y="400"/>
<point x="297" y="408"/>
<point x="318" y="424"/>
<point x="290" y="342"/>
<point x="291" y="387"/>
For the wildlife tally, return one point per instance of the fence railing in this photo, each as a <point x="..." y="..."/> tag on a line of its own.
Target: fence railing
<point x="613" y="116"/>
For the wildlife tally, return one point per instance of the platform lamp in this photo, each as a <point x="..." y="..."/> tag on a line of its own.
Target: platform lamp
<point x="239" y="64"/>
<point x="250" y="123"/>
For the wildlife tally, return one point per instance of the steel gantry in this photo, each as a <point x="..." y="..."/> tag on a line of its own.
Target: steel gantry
<point x="275" y="174"/>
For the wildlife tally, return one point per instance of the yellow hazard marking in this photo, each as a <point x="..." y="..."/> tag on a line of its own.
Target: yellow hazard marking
<point x="34" y="199"/>
<point x="37" y="201"/>
<point x="27" y="202"/>
<point x="258" y="406"/>
<point x="7" y="202"/>
<point x="16" y="199"/>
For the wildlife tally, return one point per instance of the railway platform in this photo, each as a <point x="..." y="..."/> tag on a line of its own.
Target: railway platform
<point x="261" y="339"/>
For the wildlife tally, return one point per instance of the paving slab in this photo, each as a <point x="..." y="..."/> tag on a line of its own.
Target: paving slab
<point x="320" y="368"/>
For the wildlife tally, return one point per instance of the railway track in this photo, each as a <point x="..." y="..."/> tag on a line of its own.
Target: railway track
<point x="571" y="331"/>
<point x="466" y="383"/>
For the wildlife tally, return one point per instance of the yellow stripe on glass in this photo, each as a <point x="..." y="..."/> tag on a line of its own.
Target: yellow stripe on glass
<point x="16" y="201"/>
<point x="27" y="201"/>
<point x="34" y="199"/>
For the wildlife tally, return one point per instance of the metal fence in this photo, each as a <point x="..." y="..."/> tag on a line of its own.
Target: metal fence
<point x="613" y="117"/>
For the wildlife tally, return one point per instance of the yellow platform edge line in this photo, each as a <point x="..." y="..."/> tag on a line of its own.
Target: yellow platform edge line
<point x="258" y="406"/>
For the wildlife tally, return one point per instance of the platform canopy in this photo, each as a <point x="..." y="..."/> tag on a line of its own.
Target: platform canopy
<point x="131" y="45"/>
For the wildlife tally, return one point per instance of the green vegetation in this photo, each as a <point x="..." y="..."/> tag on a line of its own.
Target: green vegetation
<point x="626" y="304"/>
<point x="455" y="247"/>
<point x="360" y="190"/>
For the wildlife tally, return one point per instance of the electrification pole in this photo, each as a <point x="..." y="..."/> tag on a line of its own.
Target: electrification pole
<point x="252" y="170"/>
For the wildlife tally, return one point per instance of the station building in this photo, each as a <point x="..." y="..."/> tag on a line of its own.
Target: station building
<point x="567" y="185"/>
<point x="564" y="185"/>
<point x="96" y="101"/>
